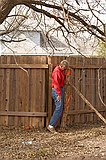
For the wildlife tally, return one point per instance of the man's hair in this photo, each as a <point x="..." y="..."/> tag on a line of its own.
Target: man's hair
<point x="64" y="63"/>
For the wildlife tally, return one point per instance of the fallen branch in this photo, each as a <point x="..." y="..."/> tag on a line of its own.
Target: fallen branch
<point x="89" y="104"/>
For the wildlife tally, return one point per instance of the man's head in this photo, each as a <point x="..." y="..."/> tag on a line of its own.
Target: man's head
<point x="64" y="64"/>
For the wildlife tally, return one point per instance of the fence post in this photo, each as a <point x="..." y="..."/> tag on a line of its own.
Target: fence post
<point x="49" y="109"/>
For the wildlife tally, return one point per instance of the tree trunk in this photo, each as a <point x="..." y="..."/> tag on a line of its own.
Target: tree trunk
<point x="5" y="8"/>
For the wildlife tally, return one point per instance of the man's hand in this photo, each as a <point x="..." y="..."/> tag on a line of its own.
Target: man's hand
<point x="59" y="98"/>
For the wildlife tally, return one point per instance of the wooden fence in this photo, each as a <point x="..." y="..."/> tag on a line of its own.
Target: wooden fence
<point x="25" y="92"/>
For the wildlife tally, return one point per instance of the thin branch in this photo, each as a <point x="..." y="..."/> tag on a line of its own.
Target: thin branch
<point x="14" y="15"/>
<point x="99" y="80"/>
<point x="12" y="40"/>
<point x="16" y="60"/>
<point x="48" y="14"/>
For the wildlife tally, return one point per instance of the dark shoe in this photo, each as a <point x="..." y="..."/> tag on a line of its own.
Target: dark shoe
<point x="52" y="130"/>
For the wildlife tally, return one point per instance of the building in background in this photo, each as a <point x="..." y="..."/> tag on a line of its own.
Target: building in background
<point x="36" y="43"/>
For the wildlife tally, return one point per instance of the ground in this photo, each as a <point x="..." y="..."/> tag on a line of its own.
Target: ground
<point x="72" y="143"/>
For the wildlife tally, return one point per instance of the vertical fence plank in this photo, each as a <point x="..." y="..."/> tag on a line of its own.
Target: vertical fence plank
<point x="2" y="91"/>
<point x="49" y="111"/>
<point x="7" y="91"/>
<point x="12" y="95"/>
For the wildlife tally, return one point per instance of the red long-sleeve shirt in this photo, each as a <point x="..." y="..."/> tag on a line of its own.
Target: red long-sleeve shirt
<point x="58" y="78"/>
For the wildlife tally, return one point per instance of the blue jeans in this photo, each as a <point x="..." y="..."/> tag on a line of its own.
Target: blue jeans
<point x="59" y="105"/>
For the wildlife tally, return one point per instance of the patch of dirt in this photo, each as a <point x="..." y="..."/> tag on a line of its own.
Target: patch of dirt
<point x="74" y="143"/>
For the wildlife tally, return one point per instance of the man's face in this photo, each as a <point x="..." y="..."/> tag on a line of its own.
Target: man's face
<point x="64" y="67"/>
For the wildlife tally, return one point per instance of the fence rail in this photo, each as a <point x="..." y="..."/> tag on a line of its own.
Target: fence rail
<point x="28" y="66"/>
<point x="25" y="92"/>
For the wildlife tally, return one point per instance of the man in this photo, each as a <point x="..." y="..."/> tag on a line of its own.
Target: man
<point x="58" y="80"/>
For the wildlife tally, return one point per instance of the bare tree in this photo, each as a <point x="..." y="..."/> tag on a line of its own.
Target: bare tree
<point x="72" y="18"/>
<point x="76" y="21"/>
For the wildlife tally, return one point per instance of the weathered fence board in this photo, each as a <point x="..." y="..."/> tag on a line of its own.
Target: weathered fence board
<point x="25" y="92"/>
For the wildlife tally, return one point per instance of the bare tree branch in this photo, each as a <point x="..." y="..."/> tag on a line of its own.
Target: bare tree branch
<point x="5" y="10"/>
<point x="72" y="19"/>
